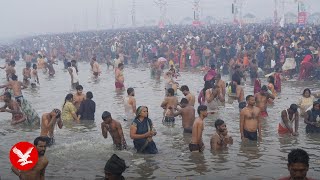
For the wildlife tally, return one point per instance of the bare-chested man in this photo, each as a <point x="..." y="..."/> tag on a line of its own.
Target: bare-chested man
<point x="13" y="108"/>
<point x="26" y="72"/>
<point x="187" y="113"/>
<point x="250" y="121"/>
<point x="262" y="100"/>
<point x="95" y="67"/>
<point x="130" y="105"/>
<point x="220" y="139"/>
<point x="34" y="76"/>
<point x="197" y="144"/>
<point x="237" y="92"/>
<point x="190" y="97"/>
<point x="38" y="171"/>
<point x="169" y="103"/>
<point x="78" y="97"/>
<point x="114" y="128"/>
<point x="10" y="70"/>
<point x="119" y="77"/>
<point x="222" y="87"/>
<point x="48" y="123"/>
<point x="207" y="55"/>
<point x="16" y="87"/>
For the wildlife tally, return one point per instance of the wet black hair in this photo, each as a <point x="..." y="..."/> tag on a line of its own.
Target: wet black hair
<point x="202" y="108"/>
<point x="12" y="62"/>
<point x="7" y="94"/>
<point x="184" y="101"/>
<point x="305" y="90"/>
<point x="248" y="97"/>
<point x="130" y="90"/>
<point x="34" y="66"/>
<point x="171" y="91"/>
<point x="298" y="156"/>
<point x="120" y="64"/>
<point x="89" y="95"/>
<point x="68" y="97"/>
<point x="184" y="88"/>
<point x="79" y="87"/>
<point x="294" y="107"/>
<point x="236" y="79"/>
<point x="40" y="138"/>
<point x="264" y="88"/>
<point x="14" y="77"/>
<point x="218" y="122"/>
<point x="271" y="79"/>
<point x="69" y="64"/>
<point x="105" y="115"/>
<point x="213" y="66"/>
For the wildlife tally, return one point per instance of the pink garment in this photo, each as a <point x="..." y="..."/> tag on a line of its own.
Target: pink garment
<point x="201" y="98"/>
<point x="210" y="75"/>
<point x="257" y="86"/>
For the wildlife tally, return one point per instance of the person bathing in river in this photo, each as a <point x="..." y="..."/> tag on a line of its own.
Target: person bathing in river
<point x="289" y="119"/>
<point x="187" y="113"/>
<point x="26" y="72"/>
<point x="262" y="100"/>
<point x="169" y="103"/>
<point x="13" y="108"/>
<point x="48" y="123"/>
<point x="114" y="128"/>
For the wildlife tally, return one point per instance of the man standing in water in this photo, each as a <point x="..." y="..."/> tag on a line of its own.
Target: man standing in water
<point x="130" y="105"/>
<point x="250" y="121"/>
<point x="187" y="113"/>
<point x="38" y="171"/>
<point x="26" y="72"/>
<point x="48" y="123"/>
<point x="14" y="109"/>
<point x="190" y="97"/>
<point x="74" y="75"/>
<point x="16" y="86"/>
<point x="34" y="76"/>
<point x="221" y="138"/>
<point x="119" y="77"/>
<point x="222" y="88"/>
<point x="288" y="117"/>
<point x="298" y="165"/>
<point x="262" y="100"/>
<point x="169" y="103"/>
<point x="95" y="68"/>
<point x="196" y="144"/>
<point x="78" y="97"/>
<point x="114" y="128"/>
<point x="10" y="70"/>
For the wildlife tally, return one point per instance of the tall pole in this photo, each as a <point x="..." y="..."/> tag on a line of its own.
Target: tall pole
<point x="163" y="11"/>
<point x="133" y="13"/>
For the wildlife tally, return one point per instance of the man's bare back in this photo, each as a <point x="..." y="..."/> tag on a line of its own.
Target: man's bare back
<point x="38" y="172"/>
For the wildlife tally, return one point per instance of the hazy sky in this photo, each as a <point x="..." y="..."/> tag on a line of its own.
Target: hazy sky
<point x="27" y="17"/>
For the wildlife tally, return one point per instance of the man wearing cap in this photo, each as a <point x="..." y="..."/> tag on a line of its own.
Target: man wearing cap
<point x="48" y="122"/>
<point x="114" y="168"/>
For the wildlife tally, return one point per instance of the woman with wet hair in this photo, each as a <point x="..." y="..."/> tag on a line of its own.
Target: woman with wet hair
<point x="305" y="101"/>
<point x="312" y="118"/>
<point x="69" y="110"/>
<point x="142" y="131"/>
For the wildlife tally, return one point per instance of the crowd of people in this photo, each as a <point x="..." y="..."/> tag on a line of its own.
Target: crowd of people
<point x="253" y="50"/>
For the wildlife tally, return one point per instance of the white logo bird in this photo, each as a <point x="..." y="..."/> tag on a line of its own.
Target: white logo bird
<point x="23" y="157"/>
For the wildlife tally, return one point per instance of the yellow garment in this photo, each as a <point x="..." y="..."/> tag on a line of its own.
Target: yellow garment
<point x="67" y="111"/>
<point x="271" y="88"/>
<point x="305" y="103"/>
<point x="171" y="63"/>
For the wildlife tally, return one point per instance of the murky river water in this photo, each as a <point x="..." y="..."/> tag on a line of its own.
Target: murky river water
<point x="81" y="152"/>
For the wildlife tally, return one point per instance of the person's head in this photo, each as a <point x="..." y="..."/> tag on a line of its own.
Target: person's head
<point x="73" y="62"/>
<point x="79" y="89"/>
<point x="94" y="58"/>
<point x="271" y="79"/>
<point x="316" y="106"/>
<point x="298" y="164"/>
<point x="218" y="77"/>
<point x="236" y="79"/>
<point x="250" y="100"/>
<point x="117" y="56"/>
<point x="294" y="108"/>
<point x="28" y="64"/>
<point x="130" y="92"/>
<point x="213" y="66"/>
<point x="114" y="168"/>
<point x="12" y="63"/>
<point x="89" y="95"/>
<point x="56" y="113"/>
<point x="306" y="92"/>
<point x="170" y="92"/>
<point x="34" y="66"/>
<point x="106" y="117"/>
<point x="69" y="97"/>
<point x="41" y="145"/>
<point x="68" y="64"/>
<point x="184" y="102"/>
<point x="264" y="90"/>
<point x="7" y="97"/>
<point x="220" y="125"/>
<point x="14" y="77"/>
<point x="202" y="110"/>
<point x="142" y="112"/>
<point x="254" y="61"/>
<point x="120" y="66"/>
<point x="184" y="89"/>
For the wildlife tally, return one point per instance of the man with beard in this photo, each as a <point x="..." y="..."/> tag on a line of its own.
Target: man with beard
<point x="220" y="139"/>
<point x="38" y="171"/>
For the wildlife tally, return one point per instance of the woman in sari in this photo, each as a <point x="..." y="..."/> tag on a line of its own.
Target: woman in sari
<point x="271" y="85"/>
<point x="305" y="101"/>
<point x="142" y="131"/>
<point x="69" y="110"/>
